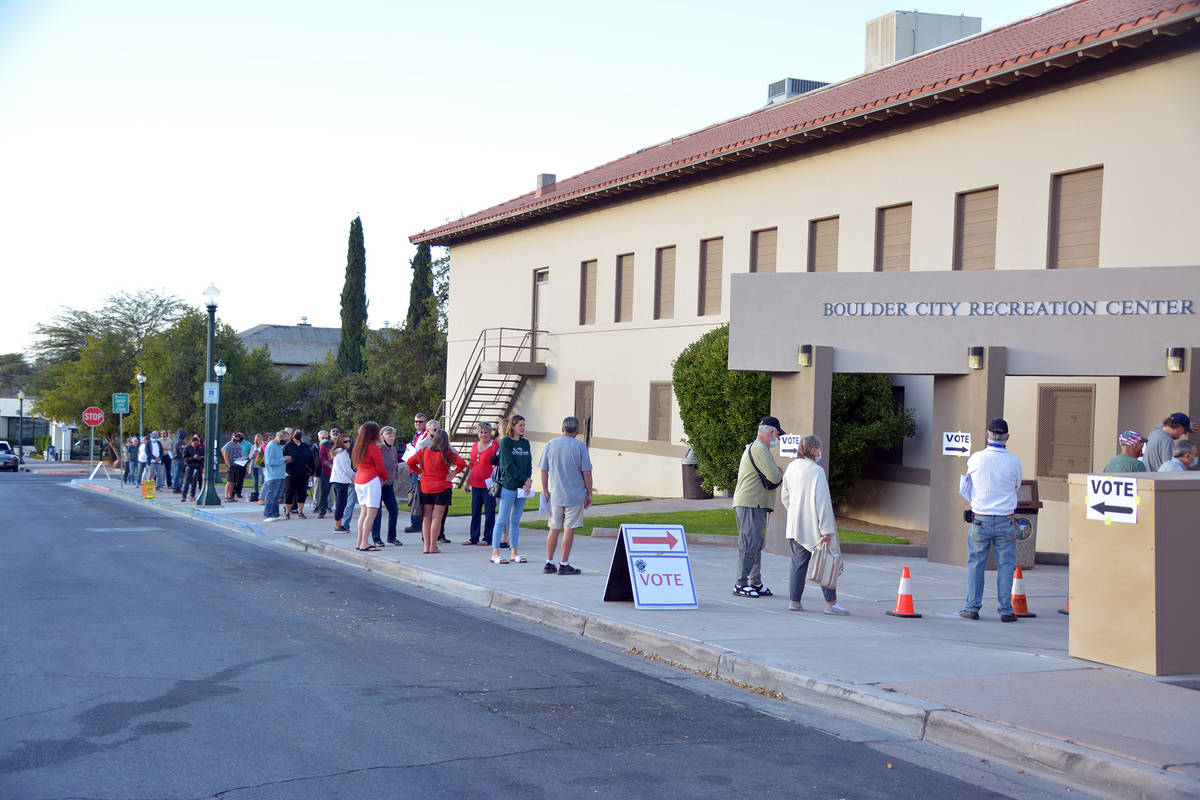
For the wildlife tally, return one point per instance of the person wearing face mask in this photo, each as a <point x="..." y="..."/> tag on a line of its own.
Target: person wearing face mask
<point x="810" y="520"/>
<point x="753" y="498"/>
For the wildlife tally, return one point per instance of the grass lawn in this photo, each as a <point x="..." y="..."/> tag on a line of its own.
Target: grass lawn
<point x="460" y="503"/>
<point x="719" y="521"/>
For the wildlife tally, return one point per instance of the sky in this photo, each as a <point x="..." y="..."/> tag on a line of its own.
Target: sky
<point x="169" y="144"/>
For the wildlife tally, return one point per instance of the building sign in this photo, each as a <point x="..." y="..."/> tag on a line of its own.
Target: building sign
<point x="1014" y="308"/>
<point x="650" y="566"/>
<point x="956" y="443"/>
<point x="1111" y="499"/>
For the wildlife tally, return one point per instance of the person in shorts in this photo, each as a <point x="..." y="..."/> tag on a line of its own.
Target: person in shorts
<point x="566" y="471"/>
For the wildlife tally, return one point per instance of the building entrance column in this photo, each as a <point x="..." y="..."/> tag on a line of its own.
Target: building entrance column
<point x="963" y="403"/>
<point x="801" y="400"/>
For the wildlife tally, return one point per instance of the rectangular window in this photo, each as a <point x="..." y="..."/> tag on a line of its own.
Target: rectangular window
<point x="711" y="266"/>
<point x="587" y="293"/>
<point x="664" y="283"/>
<point x="1075" y="219"/>
<point x="823" y="244"/>
<point x="762" y="250"/>
<point x="1064" y="442"/>
<point x="660" y="412"/>
<point x="975" y="229"/>
<point x="893" y="237"/>
<point x="583" y="406"/>
<point x="624" y="303"/>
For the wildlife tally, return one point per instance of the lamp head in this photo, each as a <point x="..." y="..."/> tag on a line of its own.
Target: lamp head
<point x="211" y="295"/>
<point x="219" y="368"/>
<point x="141" y="377"/>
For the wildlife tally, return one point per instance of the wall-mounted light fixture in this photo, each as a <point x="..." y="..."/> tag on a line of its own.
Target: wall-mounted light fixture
<point x="1175" y="359"/>
<point x="804" y="357"/>
<point x="974" y="358"/>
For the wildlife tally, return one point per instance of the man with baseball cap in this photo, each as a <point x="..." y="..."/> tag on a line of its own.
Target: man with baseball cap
<point x="1160" y="445"/>
<point x="753" y="498"/>
<point x="1129" y="458"/>
<point x="990" y="485"/>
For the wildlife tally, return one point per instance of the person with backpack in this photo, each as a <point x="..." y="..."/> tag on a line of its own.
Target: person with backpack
<point x="753" y="498"/>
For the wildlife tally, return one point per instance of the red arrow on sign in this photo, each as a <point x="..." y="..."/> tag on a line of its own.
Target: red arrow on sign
<point x="93" y="416"/>
<point x="668" y="540"/>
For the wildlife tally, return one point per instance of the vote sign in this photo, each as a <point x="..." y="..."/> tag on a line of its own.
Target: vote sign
<point x="92" y="416"/>
<point x="789" y="445"/>
<point x="956" y="443"/>
<point x="1112" y="499"/>
<point x="650" y="566"/>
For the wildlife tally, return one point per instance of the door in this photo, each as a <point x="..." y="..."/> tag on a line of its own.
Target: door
<point x="541" y="299"/>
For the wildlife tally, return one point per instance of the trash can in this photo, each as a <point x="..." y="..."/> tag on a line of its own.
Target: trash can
<point x="692" y="487"/>
<point x="1026" y="519"/>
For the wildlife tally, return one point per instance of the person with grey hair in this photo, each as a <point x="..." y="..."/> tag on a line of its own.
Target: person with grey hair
<point x="274" y="473"/>
<point x="753" y="498"/>
<point x="810" y="521"/>
<point x="990" y="486"/>
<point x="566" y="471"/>
<point x="479" y="474"/>
<point x="154" y="460"/>
<point x="415" y="512"/>
<point x="1184" y="456"/>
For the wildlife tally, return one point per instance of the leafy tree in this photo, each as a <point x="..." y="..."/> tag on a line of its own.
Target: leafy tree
<point x="15" y="373"/>
<point x="721" y="410"/>
<point x="128" y="317"/>
<point x="354" y="303"/>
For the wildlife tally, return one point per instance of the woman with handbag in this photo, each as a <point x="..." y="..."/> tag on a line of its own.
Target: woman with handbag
<point x="811" y="526"/>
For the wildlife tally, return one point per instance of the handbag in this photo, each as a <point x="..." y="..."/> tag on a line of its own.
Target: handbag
<point x="824" y="568"/>
<point x="494" y="489"/>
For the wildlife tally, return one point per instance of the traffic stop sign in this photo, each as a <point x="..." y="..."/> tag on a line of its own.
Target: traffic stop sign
<point x="92" y="416"/>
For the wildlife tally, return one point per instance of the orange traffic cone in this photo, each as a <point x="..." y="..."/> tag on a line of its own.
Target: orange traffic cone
<point x="1020" y="606"/>
<point x="904" y="601"/>
<point x="1066" y="610"/>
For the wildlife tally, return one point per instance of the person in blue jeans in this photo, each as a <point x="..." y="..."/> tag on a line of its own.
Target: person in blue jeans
<point x="990" y="485"/>
<point x="274" y="470"/>
<point x="516" y="474"/>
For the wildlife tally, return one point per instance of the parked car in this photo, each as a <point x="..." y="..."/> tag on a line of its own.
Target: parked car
<point x="8" y="459"/>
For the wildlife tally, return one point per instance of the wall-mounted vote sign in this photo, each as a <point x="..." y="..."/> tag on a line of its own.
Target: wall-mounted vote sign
<point x="650" y="566"/>
<point x="1111" y="499"/>
<point x="789" y="445"/>
<point x="956" y="443"/>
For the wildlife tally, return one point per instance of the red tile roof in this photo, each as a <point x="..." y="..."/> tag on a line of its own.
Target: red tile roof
<point x="1059" y="38"/>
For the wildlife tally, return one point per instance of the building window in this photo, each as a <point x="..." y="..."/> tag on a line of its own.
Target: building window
<point x="624" y="303"/>
<point x="711" y="265"/>
<point x="587" y="293"/>
<point x="583" y="406"/>
<point x="823" y="244"/>
<point x="762" y="250"/>
<point x="1064" y="441"/>
<point x="664" y="283"/>
<point x="1075" y="219"/>
<point x="975" y="229"/>
<point x="660" y="411"/>
<point x="893" y="238"/>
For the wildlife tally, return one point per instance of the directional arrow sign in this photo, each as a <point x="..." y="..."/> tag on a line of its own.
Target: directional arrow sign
<point x="956" y="443"/>
<point x="667" y="539"/>
<point x="1112" y="499"/>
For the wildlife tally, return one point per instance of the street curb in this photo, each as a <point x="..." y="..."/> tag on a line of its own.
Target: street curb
<point x="216" y="520"/>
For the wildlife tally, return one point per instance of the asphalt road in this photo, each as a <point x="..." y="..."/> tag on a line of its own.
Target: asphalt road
<point x="143" y="656"/>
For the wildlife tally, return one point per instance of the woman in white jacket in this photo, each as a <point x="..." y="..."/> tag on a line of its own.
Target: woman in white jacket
<point x="810" y="520"/>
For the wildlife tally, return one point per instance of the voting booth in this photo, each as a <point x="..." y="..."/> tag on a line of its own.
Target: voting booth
<point x="1135" y="558"/>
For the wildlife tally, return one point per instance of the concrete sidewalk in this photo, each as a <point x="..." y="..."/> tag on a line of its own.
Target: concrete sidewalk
<point x="1005" y="692"/>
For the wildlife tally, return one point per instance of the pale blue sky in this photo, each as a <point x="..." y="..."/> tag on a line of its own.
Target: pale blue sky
<point x="160" y="144"/>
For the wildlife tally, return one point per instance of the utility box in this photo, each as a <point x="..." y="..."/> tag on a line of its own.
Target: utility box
<point x="1135" y="552"/>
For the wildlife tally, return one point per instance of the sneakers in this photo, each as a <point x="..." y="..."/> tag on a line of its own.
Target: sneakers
<point x="1008" y="617"/>
<point x="549" y="569"/>
<point x="793" y="605"/>
<point x="442" y="538"/>
<point x="412" y="529"/>
<point x="567" y="569"/>
<point x="745" y="591"/>
<point x="270" y="519"/>
<point x="967" y="613"/>
<point x="836" y="610"/>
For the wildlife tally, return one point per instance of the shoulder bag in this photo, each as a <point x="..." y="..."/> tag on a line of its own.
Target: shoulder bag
<point x="824" y="568"/>
<point x="766" y="483"/>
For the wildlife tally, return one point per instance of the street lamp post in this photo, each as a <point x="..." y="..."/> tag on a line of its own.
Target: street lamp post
<point x="208" y="497"/>
<point x="219" y="370"/>
<point x="21" y="426"/>
<point x="141" y="379"/>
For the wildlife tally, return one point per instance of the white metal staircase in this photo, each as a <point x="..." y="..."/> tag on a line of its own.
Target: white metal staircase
<point x="502" y="360"/>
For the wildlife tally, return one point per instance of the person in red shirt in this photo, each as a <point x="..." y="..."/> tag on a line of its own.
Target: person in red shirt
<point x="369" y="476"/>
<point x="478" y="477"/>
<point x="434" y="465"/>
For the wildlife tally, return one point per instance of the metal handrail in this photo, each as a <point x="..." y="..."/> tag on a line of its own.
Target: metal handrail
<point x="500" y="342"/>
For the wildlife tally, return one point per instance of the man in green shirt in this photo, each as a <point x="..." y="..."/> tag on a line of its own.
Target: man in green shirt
<point x="1131" y="448"/>
<point x="753" y="498"/>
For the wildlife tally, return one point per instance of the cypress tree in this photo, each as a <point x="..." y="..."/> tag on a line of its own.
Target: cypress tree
<point x="420" y="292"/>
<point x="354" y="303"/>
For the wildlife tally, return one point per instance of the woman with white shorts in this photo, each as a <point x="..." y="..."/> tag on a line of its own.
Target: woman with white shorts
<point x="369" y="476"/>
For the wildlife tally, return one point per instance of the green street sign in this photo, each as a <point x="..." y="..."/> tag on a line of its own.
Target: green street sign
<point x="121" y="403"/>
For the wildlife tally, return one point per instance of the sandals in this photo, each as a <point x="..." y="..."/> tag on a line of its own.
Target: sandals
<point x="745" y="591"/>
<point x="369" y="549"/>
<point x="519" y="559"/>
<point x="499" y="560"/>
<point x="763" y="591"/>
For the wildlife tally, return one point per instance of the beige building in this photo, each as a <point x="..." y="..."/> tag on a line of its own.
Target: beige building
<point x="978" y="172"/>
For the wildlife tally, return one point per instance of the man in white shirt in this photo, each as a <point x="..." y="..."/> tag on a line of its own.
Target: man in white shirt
<point x="990" y="485"/>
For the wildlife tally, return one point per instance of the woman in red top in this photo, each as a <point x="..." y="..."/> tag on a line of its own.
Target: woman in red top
<point x="368" y="481"/>
<point x="433" y="464"/>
